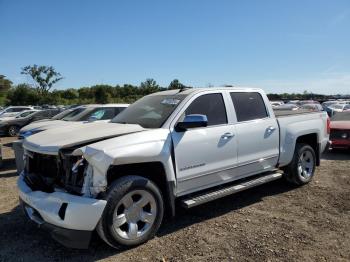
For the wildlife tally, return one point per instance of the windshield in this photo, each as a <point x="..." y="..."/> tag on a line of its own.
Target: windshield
<point x="342" y="116"/>
<point x="62" y="114"/>
<point x="72" y="114"/>
<point x="150" y="111"/>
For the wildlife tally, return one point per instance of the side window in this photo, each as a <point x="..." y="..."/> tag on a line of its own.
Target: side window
<point x="248" y="106"/>
<point x="103" y="113"/>
<point x="211" y="105"/>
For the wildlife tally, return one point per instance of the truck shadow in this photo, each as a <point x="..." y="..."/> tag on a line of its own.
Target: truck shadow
<point x="336" y="154"/>
<point x="185" y="218"/>
<point x="20" y="238"/>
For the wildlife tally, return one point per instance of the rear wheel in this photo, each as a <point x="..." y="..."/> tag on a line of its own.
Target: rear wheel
<point x="302" y="168"/>
<point x="133" y="213"/>
<point x="13" y="131"/>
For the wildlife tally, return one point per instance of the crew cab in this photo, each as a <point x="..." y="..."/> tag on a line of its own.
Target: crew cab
<point x="185" y="147"/>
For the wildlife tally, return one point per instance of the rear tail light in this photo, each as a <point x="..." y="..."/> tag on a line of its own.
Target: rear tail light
<point x="328" y="125"/>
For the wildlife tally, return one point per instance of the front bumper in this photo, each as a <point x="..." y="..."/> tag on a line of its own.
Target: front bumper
<point x="69" y="218"/>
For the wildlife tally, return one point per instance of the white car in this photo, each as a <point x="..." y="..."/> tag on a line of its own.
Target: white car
<point x="13" y="110"/>
<point x="79" y="115"/>
<point x="19" y="114"/>
<point x="188" y="146"/>
<point x="340" y="107"/>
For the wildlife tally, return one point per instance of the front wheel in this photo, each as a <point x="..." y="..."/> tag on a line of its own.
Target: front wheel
<point x="302" y="168"/>
<point x="13" y="131"/>
<point x="133" y="213"/>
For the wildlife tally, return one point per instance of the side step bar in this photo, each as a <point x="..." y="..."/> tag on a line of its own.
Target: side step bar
<point x="212" y="195"/>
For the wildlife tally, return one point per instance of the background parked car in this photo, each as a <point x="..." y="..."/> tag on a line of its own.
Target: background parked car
<point x="12" y="126"/>
<point x="312" y="107"/>
<point x="340" y="107"/>
<point x="13" y="110"/>
<point x="86" y="113"/>
<point x="340" y="130"/>
<point x="286" y="107"/>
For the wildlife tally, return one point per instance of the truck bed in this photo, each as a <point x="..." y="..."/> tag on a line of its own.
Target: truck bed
<point x="282" y="113"/>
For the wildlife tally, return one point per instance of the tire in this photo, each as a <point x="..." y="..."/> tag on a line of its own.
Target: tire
<point x="302" y="168"/>
<point x="121" y="218"/>
<point x="13" y="131"/>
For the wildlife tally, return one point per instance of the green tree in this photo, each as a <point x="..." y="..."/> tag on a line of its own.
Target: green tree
<point x="102" y="96"/>
<point x="175" y="84"/>
<point x="149" y="86"/>
<point x="22" y="94"/>
<point x="44" y="76"/>
<point x="69" y="94"/>
<point x="5" y="84"/>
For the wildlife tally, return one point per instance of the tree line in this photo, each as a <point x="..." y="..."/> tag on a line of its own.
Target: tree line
<point x="44" y="78"/>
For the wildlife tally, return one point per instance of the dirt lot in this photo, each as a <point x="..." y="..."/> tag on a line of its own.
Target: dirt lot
<point x="274" y="222"/>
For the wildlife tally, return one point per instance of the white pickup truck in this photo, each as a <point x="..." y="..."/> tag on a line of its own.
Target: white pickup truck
<point x="185" y="146"/>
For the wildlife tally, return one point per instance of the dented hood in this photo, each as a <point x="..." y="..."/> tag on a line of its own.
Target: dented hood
<point x="52" y="140"/>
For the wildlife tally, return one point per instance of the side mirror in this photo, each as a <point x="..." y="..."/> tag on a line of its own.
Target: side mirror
<point x="192" y="121"/>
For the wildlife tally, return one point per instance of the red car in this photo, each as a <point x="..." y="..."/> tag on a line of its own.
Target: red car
<point x="340" y="131"/>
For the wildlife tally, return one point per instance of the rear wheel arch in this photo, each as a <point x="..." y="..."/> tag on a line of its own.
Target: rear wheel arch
<point x="153" y="171"/>
<point x="311" y="140"/>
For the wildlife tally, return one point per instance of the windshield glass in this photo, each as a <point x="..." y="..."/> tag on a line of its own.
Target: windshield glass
<point x="342" y="116"/>
<point x="71" y="115"/>
<point x="150" y="111"/>
<point x="62" y="114"/>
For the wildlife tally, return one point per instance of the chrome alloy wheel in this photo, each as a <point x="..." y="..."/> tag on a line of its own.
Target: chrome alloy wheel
<point x="306" y="165"/>
<point x="134" y="214"/>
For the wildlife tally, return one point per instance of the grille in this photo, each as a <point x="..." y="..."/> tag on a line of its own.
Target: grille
<point x="338" y="134"/>
<point x="43" y="165"/>
<point x="47" y="172"/>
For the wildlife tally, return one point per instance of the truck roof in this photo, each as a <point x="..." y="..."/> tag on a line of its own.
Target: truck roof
<point x="187" y="91"/>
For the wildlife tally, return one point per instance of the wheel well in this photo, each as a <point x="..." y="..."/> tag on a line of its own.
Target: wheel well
<point x="153" y="171"/>
<point x="311" y="140"/>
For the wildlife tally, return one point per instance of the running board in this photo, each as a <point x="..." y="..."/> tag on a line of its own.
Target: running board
<point x="212" y="195"/>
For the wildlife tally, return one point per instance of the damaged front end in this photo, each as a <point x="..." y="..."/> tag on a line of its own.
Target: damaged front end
<point x="57" y="192"/>
<point x="65" y="172"/>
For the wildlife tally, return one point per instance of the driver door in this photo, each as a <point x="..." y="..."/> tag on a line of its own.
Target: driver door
<point x="205" y="156"/>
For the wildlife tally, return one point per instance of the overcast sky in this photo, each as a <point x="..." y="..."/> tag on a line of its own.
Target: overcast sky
<point x="280" y="46"/>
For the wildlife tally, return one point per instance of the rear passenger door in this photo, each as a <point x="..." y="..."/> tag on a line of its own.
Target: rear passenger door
<point x="256" y="132"/>
<point x="204" y="156"/>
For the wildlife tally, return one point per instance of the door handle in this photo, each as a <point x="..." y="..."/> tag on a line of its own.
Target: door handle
<point x="271" y="128"/>
<point x="227" y="135"/>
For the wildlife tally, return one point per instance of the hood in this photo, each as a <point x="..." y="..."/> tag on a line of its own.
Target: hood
<point x="340" y="125"/>
<point x="46" y="124"/>
<point x="52" y="140"/>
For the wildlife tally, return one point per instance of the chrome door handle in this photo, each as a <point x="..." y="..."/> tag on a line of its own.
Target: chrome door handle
<point x="227" y="135"/>
<point x="271" y="128"/>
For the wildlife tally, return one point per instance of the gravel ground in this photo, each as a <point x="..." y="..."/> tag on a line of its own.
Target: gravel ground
<point x="274" y="222"/>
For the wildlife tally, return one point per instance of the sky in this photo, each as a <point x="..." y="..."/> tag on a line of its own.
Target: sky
<point x="280" y="46"/>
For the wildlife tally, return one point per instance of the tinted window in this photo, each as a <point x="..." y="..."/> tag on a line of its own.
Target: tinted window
<point x="248" y="106"/>
<point x="102" y="114"/>
<point x="17" y="109"/>
<point x="73" y="113"/>
<point x="26" y="114"/>
<point x="211" y="105"/>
